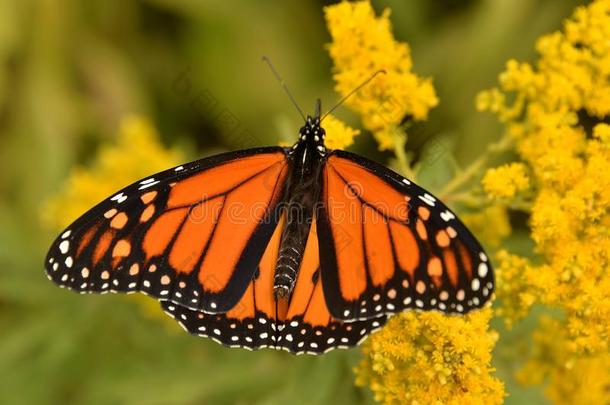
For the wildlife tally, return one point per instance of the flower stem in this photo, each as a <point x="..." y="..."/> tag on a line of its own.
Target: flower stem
<point x="400" y="140"/>
<point x="475" y="167"/>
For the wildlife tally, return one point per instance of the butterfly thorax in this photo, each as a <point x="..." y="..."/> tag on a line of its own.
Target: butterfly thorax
<point x="302" y="188"/>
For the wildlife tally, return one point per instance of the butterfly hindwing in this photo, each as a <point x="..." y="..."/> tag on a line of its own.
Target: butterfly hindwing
<point x="386" y="245"/>
<point x="192" y="235"/>
<point x="301" y="325"/>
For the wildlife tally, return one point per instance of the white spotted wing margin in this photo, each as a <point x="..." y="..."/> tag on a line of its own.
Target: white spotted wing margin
<point x="292" y="335"/>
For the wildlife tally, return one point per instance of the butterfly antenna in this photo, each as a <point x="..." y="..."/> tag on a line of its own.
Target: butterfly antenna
<point x="279" y="79"/>
<point x="351" y="93"/>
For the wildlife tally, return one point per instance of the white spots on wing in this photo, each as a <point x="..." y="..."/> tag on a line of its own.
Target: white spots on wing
<point x="64" y="278"/>
<point x="419" y="303"/>
<point x="483" y="256"/>
<point x="406" y="301"/>
<point x="407" y="182"/>
<point x="213" y="305"/>
<point x="119" y="198"/>
<point x="460" y="295"/>
<point x="69" y="261"/>
<point x="263" y="335"/>
<point x="179" y="168"/>
<point x="66" y="234"/>
<point x="145" y="186"/>
<point x="55" y="266"/>
<point x="444" y="296"/>
<point x="482" y="270"/>
<point x="146" y="283"/>
<point x="147" y="181"/>
<point x="64" y="246"/>
<point x="428" y="199"/>
<point x="84" y="272"/>
<point x="475" y="284"/>
<point x="346" y="312"/>
<point x="447" y="215"/>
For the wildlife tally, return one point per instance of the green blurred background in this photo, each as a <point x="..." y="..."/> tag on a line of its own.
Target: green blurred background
<point x="70" y="70"/>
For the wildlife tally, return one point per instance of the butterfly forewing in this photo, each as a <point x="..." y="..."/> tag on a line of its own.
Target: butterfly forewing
<point x="192" y="235"/>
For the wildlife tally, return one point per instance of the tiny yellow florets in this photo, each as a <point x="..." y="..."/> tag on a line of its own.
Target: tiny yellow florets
<point x="506" y="181"/>
<point x="338" y="134"/>
<point x="553" y="104"/>
<point x="362" y="44"/>
<point x="431" y="358"/>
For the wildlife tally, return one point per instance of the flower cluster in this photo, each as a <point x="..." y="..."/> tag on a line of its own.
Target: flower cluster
<point x="554" y="112"/>
<point x="429" y="358"/>
<point x="506" y="181"/>
<point x="363" y="44"/>
<point x="338" y="134"/>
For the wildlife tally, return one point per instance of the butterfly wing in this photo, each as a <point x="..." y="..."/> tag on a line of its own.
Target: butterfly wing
<point x="386" y="245"/>
<point x="192" y="235"/>
<point x="302" y="325"/>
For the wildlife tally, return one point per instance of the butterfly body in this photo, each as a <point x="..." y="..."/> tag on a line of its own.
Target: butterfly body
<point x="302" y="191"/>
<point x="302" y="249"/>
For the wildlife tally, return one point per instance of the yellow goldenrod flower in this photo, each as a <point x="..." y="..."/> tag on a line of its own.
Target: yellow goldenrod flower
<point x="362" y="44"/>
<point x="506" y="181"/>
<point x="552" y="105"/>
<point x="431" y="358"/>
<point x="583" y="380"/>
<point x="338" y="134"/>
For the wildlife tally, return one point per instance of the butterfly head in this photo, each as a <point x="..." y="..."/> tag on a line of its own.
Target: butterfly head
<point x="313" y="134"/>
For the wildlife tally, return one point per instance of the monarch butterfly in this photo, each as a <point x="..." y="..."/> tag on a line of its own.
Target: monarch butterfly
<point x="303" y="249"/>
